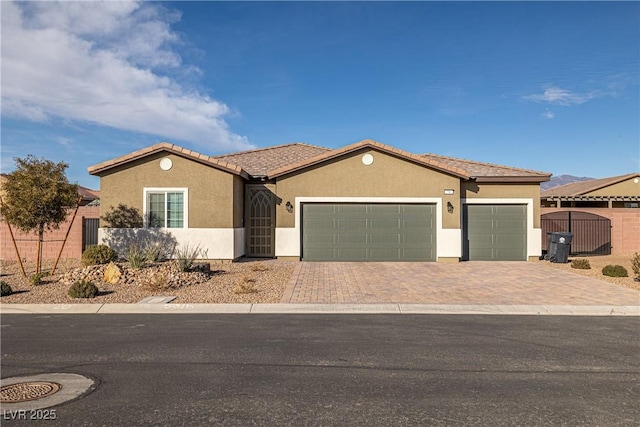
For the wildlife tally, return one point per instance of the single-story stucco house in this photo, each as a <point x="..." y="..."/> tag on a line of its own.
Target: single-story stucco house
<point x="363" y="202"/>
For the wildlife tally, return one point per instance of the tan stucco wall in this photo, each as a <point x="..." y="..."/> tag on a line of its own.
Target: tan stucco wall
<point x="388" y="176"/>
<point x="211" y="191"/>
<point x="472" y="190"/>
<point x="624" y="188"/>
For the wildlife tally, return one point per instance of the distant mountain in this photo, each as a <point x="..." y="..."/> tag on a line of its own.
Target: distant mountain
<point x="557" y="181"/>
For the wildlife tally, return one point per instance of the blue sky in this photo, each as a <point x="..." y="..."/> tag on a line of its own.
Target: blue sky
<point x="538" y="85"/>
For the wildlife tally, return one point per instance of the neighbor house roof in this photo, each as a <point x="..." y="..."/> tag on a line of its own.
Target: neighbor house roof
<point x="260" y="161"/>
<point x="490" y="172"/>
<point x="368" y="143"/>
<point x="170" y="148"/>
<point x="583" y="187"/>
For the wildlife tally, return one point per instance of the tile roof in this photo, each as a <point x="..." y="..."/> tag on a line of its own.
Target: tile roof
<point x="171" y="148"/>
<point x="583" y="187"/>
<point x="279" y="160"/>
<point x="87" y="193"/>
<point x="260" y="161"/>
<point x="371" y="144"/>
<point x="486" y="171"/>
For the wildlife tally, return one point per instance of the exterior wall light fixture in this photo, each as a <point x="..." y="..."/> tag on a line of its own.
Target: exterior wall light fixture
<point x="449" y="207"/>
<point x="289" y="207"/>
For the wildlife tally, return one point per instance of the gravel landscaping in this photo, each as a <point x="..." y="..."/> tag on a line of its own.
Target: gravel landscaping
<point x="597" y="262"/>
<point x="248" y="281"/>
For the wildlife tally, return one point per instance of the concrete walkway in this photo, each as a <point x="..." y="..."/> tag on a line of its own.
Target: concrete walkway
<point x="466" y="283"/>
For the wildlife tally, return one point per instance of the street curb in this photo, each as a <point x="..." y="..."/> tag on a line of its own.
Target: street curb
<point x="488" y="309"/>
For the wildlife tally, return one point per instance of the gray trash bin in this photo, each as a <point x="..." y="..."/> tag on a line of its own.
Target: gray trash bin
<point x="558" y="246"/>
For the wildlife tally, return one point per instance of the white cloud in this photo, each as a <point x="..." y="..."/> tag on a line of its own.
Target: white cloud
<point x="101" y="62"/>
<point x="548" y="114"/>
<point x="558" y="96"/>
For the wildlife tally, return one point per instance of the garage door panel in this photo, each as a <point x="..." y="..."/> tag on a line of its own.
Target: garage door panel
<point x="352" y="210"/>
<point x="350" y="254"/>
<point x="351" y="223"/>
<point x="351" y="239"/>
<point x="387" y="223"/>
<point x="368" y="232"/>
<point x="315" y="239"/>
<point x="385" y="210"/>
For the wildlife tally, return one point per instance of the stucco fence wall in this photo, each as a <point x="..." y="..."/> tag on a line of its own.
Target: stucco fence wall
<point x="625" y="226"/>
<point x="27" y="243"/>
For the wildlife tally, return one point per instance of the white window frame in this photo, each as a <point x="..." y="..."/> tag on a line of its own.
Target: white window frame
<point x="185" y="201"/>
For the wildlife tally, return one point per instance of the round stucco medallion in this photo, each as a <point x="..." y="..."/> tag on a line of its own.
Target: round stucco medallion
<point x="166" y="164"/>
<point x="636" y="180"/>
<point x="367" y="159"/>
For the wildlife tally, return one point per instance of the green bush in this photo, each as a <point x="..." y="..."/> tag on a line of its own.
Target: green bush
<point x="99" y="254"/>
<point x="83" y="289"/>
<point x="581" y="264"/>
<point x="5" y="289"/>
<point x="635" y="265"/>
<point x="615" y="271"/>
<point x="36" y="278"/>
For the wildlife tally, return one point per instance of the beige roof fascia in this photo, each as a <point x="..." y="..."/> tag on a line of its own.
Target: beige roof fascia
<point x="368" y="143"/>
<point x="170" y="148"/>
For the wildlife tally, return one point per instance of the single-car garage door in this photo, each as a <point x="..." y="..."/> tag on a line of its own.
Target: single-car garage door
<point x="495" y="232"/>
<point x="368" y="232"/>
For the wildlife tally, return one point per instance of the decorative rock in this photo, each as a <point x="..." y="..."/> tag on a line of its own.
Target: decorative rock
<point x="112" y="273"/>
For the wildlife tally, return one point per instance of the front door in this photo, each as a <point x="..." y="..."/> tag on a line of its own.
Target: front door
<point x="260" y="215"/>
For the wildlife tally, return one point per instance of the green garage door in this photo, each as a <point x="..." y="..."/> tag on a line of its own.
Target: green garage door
<point x="368" y="232"/>
<point x="495" y="232"/>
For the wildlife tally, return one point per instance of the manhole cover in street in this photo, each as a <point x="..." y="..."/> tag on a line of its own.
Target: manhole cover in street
<point x="23" y="392"/>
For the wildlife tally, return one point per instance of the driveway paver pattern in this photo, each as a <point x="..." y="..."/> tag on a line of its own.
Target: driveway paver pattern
<point x="521" y="283"/>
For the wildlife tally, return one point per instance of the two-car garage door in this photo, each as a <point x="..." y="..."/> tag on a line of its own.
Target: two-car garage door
<point x="368" y="232"/>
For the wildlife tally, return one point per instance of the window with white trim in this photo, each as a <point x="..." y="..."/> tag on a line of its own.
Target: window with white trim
<point x="165" y="207"/>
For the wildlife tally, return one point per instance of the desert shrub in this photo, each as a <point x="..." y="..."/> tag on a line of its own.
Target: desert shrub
<point x="635" y="265"/>
<point x="36" y="278"/>
<point x="83" y="289"/>
<point x="5" y="289"/>
<point x="137" y="256"/>
<point x="154" y="251"/>
<point x="98" y="254"/>
<point x="581" y="264"/>
<point x="156" y="282"/>
<point x="615" y="271"/>
<point x="187" y="255"/>
<point x="259" y="267"/>
<point x="245" y="286"/>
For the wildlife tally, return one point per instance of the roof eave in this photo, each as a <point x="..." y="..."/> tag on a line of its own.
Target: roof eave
<point x="276" y="173"/>
<point x="516" y="178"/>
<point x="100" y="168"/>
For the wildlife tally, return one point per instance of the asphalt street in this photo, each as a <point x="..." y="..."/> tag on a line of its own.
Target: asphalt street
<point x="304" y="369"/>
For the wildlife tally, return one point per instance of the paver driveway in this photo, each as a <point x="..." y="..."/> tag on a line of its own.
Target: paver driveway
<point x="525" y="283"/>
